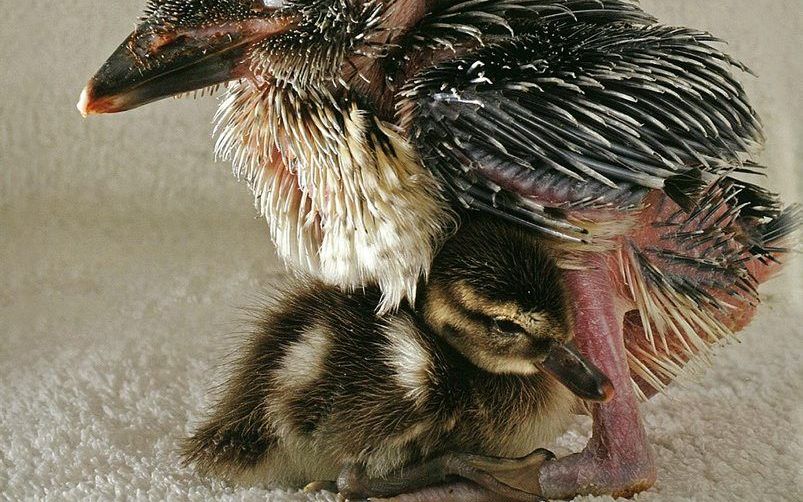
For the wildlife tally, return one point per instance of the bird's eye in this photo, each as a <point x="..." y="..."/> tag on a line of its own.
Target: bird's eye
<point x="508" y="327"/>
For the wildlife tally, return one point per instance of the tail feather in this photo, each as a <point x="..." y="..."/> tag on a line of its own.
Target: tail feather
<point x="755" y="201"/>
<point x="696" y="284"/>
<point x="227" y="448"/>
<point x="685" y="188"/>
<point x="775" y="233"/>
<point x="765" y="225"/>
<point x="236" y="438"/>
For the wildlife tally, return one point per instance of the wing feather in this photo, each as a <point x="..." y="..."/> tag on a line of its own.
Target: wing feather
<point x="618" y="106"/>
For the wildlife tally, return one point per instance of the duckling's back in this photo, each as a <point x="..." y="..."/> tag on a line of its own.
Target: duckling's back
<point x="324" y="381"/>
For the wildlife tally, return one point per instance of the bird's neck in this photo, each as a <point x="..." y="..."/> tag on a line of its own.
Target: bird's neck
<point x="345" y="194"/>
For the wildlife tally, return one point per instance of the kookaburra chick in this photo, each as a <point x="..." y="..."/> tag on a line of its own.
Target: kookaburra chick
<point x="364" y="127"/>
<point x="469" y="385"/>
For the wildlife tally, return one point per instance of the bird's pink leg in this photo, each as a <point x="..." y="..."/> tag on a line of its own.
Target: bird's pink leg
<point x="617" y="459"/>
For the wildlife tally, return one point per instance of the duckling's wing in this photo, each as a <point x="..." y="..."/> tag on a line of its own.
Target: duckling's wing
<point x="577" y="115"/>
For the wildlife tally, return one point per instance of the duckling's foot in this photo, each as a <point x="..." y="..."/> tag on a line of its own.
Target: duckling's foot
<point x="506" y="478"/>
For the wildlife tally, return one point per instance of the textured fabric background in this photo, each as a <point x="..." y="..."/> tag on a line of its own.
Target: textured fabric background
<point x="125" y="253"/>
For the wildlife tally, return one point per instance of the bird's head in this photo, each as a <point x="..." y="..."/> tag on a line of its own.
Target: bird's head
<point x="495" y="295"/>
<point x="186" y="45"/>
<point x="343" y="190"/>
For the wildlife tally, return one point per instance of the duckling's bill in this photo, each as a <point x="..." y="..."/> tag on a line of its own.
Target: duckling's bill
<point x="565" y="363"/>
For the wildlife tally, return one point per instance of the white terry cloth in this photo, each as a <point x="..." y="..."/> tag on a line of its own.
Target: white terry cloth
<point x="126" y="253"/>
<point x="111" y="330"/>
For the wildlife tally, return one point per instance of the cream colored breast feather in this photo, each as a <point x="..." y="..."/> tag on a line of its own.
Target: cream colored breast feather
<point x="345" y="194"/>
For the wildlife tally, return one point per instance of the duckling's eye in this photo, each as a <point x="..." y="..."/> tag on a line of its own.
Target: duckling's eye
<point x="508" y="327"/>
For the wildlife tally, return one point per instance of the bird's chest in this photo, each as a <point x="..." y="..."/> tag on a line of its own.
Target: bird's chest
<point x="345" y="195"/>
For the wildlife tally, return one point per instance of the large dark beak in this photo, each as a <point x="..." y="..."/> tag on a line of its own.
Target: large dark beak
<point x="156" y="62"/>
<point x="570" y="368"/>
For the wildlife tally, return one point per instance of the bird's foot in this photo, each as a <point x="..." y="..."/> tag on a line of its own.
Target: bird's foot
<point x="598" y="471"/>
<point x="494" y="479"/>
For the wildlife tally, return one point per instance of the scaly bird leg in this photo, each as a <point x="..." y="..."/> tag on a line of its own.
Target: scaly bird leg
<point x="496" y="479"/>
<point x="617" y="459"/>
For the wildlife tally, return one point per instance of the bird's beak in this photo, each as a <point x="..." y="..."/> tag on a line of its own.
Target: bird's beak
<point x="156" y="62"/>
<point x="565" y="363"/>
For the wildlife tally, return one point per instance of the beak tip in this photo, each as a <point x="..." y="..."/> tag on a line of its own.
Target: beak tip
<point x="83" y="102"/>
<point x="89" y="103"/>
<point x="608" y="391"/>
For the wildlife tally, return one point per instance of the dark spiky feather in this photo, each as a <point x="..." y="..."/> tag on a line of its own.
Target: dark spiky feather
<point x="192" y="12"/>
<point x="619" y="105"/>
<point x="690" y="282"/>
<point x="449" y="25"/>
<point x="775" y="232"/>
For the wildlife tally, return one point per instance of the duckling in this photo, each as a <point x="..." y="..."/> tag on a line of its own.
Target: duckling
<point x="468" y="384"/>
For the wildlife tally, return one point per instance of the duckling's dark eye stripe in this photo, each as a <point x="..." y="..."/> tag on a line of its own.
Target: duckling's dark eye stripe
<point x="508" y="326"/>
<point x="474" y="315"/>
<point x="484" y="319"/>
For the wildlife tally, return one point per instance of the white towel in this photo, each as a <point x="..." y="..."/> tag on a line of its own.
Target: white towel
<point x="125" y="253"/>
<point x="112" y="330"/>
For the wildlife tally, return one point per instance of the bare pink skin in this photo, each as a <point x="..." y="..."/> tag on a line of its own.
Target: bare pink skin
<point x="657" y="208"/>
<point x="617" y="459"/>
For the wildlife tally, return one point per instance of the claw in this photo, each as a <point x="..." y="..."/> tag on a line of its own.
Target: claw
<point x="318" y="486"/>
